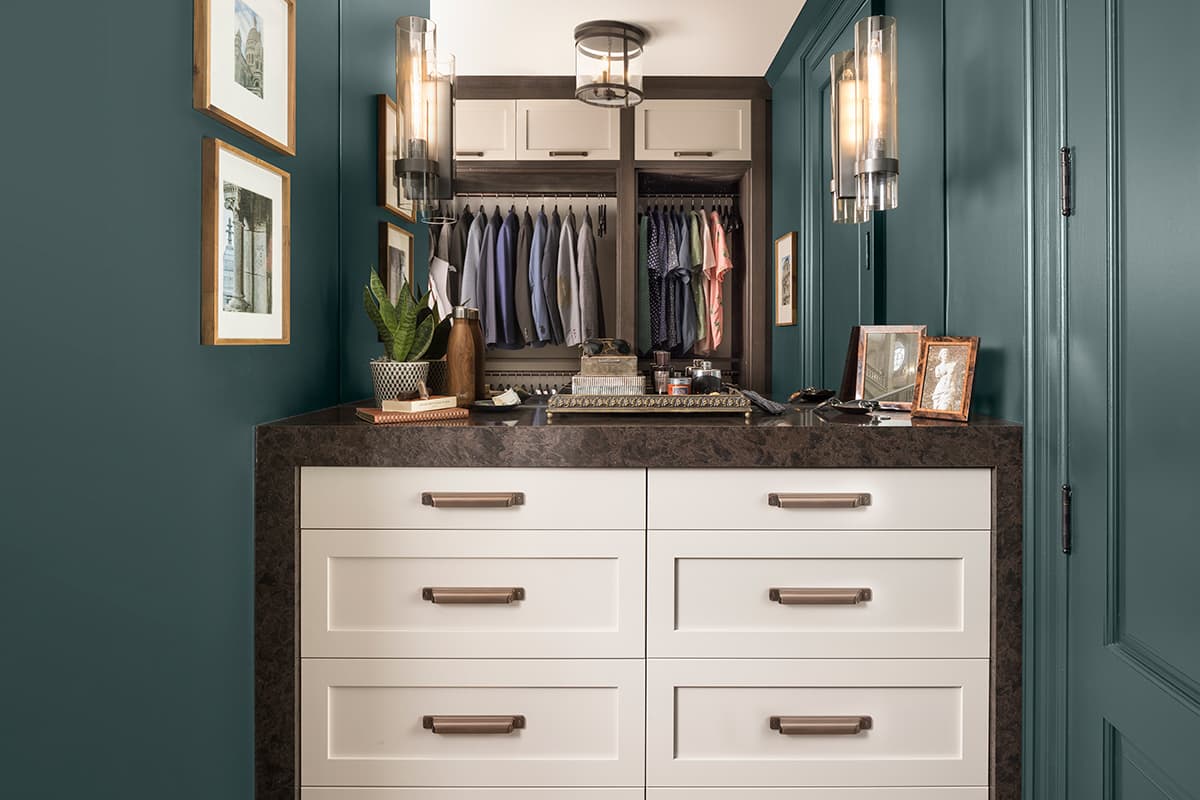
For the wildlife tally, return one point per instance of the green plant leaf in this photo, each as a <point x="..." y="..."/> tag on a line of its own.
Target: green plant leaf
<point x="372" y="308"/>
<point x="405" y="327"/>
<point x="441" y="338"/>
<point x="386" y="309"/>
<point x="421" y="339"/>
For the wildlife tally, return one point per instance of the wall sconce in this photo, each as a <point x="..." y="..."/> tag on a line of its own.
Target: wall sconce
<point x="878" y="164"/>
<point x="424" y="110"/>
<point x="843" y="111"/>
<point x="608" y="63"/>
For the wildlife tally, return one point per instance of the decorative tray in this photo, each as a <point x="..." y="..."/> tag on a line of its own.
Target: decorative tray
<point x="726" y="403"/>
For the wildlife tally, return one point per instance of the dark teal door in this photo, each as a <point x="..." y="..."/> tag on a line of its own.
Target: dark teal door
<point x="1133" y="289"/>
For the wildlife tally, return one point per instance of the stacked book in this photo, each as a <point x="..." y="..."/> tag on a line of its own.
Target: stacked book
<point x="428" y="409"/>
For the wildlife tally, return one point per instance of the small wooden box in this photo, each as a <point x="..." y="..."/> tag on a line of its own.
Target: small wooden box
<point x="610" y="366"/>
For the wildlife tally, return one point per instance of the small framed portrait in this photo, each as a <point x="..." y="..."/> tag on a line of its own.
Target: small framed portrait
<point x="785" y="280"/>
<point x="388" y="189"/>
<point x="945" y="374"/>
<point x="244" y="67"/>
<point x="885" y="364"/>
<point x="395" y="259"/>
<point x="244" y="249"/>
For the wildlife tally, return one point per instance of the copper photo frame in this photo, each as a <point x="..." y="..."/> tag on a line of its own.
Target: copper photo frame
<point x="945" y="376"/>
<point x="884" y="359"/>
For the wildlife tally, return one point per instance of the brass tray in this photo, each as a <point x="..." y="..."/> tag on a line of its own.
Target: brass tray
<point x="648" y="404"/>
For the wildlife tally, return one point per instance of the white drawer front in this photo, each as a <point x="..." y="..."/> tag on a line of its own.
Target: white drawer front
<point x="692" y="130"/>
<point x="523" y="793"/>
<point x="708" y="723"/>
<point x="392" y="497"/>
<point x="733" y="499"/>
<point x="361" y="723"/>
<point x="363" y="594"/>
<point x="484" y="130"/>
<point x="709" y="594"/>
<point x="824" y="793"/>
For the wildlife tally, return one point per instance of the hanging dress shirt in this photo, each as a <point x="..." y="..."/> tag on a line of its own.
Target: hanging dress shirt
<point x="643" y="285"/>
<point x="542" y="332"/>
<point x="686" y="311"/>
<point x="458" y="253"/>
<point x="522" y="296"/>
<point x="489" y="314"/>
<point x="568" y="281"/>
<point x="696" y="222"/>
<point x="723" y="264"/>
<point x="591" y="310"/>
<point x="657" y="265"/>
<point x="508" y="333"/>
<point x="443" y="244"/>
<point x="469" y="294"/>
<point x="708" y="264"/>
<point x="670" y="283"/>
<point x="550" y="277"/>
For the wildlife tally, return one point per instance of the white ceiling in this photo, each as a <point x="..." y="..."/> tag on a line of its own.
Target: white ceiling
<point x="687" y="37"/>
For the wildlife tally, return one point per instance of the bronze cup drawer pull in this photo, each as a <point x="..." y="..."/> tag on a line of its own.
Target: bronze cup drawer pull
<point x="819" y="597"/>
<point x="476" y="153"/>
<point x="463" y="595"/>
<point x="560" y="153"/>
<point x="819" y="500"/>
<point x="820" y="726"/>
<point x="473" y="724"/>
<point x="473" y="499"/>
<point x="693" y="153"/>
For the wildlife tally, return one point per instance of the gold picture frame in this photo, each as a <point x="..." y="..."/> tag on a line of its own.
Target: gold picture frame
<point x="396" y="244"/>
<point x="388" y="190"/>
<point x="945" y="380"/>
<point x="245" y="248"/>
<point x="886" y="363"/>
<point x="224" y="90"/>
<point x="785" y="280"/>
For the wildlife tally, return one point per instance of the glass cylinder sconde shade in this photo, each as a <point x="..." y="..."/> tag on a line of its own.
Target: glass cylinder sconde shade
<point x="844" y="134"/>
<point x="417" y="109"/>
<point x="878" y="163"/>
<point x="439" y="210"/>
<point x="608" y="63"/>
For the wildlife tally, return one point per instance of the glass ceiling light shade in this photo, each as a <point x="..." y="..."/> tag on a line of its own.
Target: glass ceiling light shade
<point x="608" y="63"/>
<point x="424" y="109"/>
<point x="878" y="164"/>
<point x="843" y="112"/>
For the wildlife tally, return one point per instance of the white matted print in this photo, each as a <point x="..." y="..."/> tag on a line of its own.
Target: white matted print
<point x="785" y="279"/>
<point x="396" y="260"/>
<point x="388" y="188"/>
<point x="244" y="71"/>
<point x="245" y="248"/>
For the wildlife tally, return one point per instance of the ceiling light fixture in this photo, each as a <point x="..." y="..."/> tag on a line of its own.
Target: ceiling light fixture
<point x="608" y="63"/>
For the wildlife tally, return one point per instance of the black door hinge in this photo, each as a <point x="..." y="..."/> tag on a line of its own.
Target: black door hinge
<point x="1064" y="181"/>
<point x="1066" y="519"/>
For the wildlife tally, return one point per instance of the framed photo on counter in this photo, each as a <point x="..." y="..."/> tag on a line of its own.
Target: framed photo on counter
<point x="785" y="280"/>
<point x="245" y="250"/>
<point x="885" y="364"/>
<point x="244" y="67"/>
<point x="388" y="187"/>
<point x="945" y="375"/>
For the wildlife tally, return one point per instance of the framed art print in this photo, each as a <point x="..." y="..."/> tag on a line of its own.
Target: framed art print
<point x="244" y="67"/>
<point x="395" y="259"/>
<point x="390" y="196"/>
<point x="886" y="364"/>
<point x="244" y="248"/>
<point x="945" y="376"/>
<point x="785" y="280"/>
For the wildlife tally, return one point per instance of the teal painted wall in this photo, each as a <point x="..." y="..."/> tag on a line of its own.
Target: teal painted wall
<point x="953" y="253"/>
<point x="368" y="69"/>
<point x="126" y="508"/>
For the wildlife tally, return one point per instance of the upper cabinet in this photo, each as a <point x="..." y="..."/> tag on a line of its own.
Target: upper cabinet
<point x="692" y="130"/>
<point x="567" y="130"/>
<point x="484" y="130"/>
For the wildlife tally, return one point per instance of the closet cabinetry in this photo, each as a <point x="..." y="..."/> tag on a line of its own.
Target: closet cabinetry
<point x="567" y="130"/>
<point x="692" y="130"/>
<point x="484" y="130"/>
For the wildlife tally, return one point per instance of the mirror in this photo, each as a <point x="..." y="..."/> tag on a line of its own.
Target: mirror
<point x="886" y="367"/>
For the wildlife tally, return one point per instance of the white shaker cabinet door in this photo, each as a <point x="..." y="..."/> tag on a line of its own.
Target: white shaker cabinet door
<point x="472" y="594"/>
<point x="522" y="793"/>
<point x="692" y="130"/>
<point x="485" y="130"/>
<point x="567" y="130"/>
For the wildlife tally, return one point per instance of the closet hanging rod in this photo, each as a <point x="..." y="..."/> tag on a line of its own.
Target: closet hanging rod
<point x="580" y="195"/>
<point x="689" y="195"/>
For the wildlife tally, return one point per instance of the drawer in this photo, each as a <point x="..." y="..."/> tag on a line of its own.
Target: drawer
<point x="927" y="594"/>
<point x="523" y="793"/>
<point x="567" y="130"/>
<point x="558" y="594"/>
<point x="709" y="723"/>
<point x="484" y="130"/>
<point x="824" y="793"/>
<point x="692" y="130"/>
<point x="362" y="723"/>
<point x="506" y="498"/>
<point x="820" y="499"/>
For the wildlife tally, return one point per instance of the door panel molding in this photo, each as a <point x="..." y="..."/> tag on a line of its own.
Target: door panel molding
<point x="1144" y="659"/>
<point x="1121" y="754"/>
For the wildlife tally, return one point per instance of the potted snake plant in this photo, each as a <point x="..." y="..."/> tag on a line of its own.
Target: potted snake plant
<point x="413" y="335"/>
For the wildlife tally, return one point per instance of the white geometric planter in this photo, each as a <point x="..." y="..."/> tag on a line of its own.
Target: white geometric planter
<point x="397" y="380"/>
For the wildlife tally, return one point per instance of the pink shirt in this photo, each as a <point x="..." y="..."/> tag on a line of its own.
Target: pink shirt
<point x="720" y="268"/>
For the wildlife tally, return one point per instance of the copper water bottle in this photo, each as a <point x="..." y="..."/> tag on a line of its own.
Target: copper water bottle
<point x="464" y="356"/>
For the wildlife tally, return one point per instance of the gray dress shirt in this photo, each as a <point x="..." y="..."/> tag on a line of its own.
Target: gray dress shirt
<point x="543" y="333"/>
<point x="472" y="276"/>
<point x="550" y="277"/>
<point x="568" y="282"/>
<point x="591" y="313"/>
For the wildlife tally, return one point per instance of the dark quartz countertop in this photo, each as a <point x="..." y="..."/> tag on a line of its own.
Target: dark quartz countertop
<point x="524" y="437"/>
